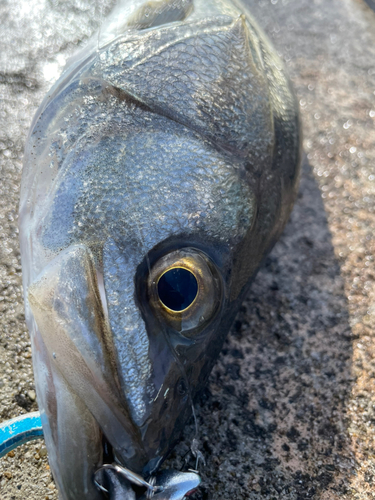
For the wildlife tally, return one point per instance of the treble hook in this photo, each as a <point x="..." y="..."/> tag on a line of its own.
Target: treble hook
<point x="131" y="476"/>
<point x="171" y="484"/>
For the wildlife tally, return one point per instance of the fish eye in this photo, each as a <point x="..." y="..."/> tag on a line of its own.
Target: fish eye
<point x="177" y="288"/>
<point x="185" y="290"/>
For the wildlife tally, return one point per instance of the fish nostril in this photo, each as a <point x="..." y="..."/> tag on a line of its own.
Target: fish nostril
<point x="181" y="387"/>
<point x="165" y="406"/>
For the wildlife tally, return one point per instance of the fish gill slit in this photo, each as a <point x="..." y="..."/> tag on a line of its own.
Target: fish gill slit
<point x="130" y="99"/>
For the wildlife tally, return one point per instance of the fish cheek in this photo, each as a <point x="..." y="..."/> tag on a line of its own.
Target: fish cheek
<point x="184" y="379"/>
<point x="170" y="401"/>
<point x="181" y="366"/>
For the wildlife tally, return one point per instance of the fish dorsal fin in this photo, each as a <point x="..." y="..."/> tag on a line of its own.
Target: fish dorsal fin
<point x="156" y="13"/>
<point x="204" y="75"/>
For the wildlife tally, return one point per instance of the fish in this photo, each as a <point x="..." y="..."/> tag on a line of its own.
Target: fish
<point x="159" y="171"/>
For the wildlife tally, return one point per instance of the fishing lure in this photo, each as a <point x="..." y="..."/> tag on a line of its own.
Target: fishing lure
<point x="19" y="430"/>
<point x="159" y="171"/>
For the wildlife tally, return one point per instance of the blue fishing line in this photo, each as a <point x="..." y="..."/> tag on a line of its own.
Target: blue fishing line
<point x="19" y="431"/>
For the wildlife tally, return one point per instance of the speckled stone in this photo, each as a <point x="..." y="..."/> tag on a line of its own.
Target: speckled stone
<point x="290" y="409"/>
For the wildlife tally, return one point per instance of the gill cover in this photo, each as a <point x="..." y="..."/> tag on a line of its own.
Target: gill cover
<point x="159" y="171"/>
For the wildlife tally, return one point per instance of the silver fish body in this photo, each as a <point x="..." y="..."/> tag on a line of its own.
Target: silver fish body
<point x="159" y="171"/>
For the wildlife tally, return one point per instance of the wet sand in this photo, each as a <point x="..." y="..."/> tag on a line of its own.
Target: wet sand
<point x="290" y="409"/>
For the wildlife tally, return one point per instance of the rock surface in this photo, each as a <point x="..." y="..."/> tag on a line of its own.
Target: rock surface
<point x="290" y="409"/>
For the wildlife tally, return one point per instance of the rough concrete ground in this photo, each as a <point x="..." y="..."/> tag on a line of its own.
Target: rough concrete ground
<point x="290" y="409"/>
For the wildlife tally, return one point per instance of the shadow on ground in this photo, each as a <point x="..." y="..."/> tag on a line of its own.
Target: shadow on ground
<point x="273" y="423"/>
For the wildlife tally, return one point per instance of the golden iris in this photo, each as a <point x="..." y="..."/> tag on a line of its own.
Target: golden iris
<point x="185" y="290"/>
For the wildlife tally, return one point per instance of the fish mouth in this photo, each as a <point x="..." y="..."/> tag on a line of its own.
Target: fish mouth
<point x="119" y="483"/>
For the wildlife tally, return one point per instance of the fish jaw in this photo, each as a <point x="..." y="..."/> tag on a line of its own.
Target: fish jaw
<point x="73" y="341"/>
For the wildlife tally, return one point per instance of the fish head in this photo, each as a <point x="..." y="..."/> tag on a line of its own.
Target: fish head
<point x="180" y="174"/>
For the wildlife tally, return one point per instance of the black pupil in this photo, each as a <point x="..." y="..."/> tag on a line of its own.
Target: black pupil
<point x="177" y="288"/>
